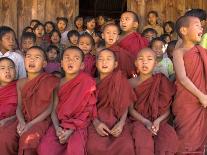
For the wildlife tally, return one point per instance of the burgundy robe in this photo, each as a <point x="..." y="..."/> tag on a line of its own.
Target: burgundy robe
<point x="90" y="64"/>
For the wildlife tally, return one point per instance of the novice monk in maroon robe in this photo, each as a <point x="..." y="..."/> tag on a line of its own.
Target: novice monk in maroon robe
<point x="73" y="109"/>
<point x="131" y="41"/>
<point x="8" y="100"/>
<point x="152" y="133"/>
<point x="190" y="102"/>
<point x="34" y="106"/>
<point x="125" y="58"/>
<point x="109" y="134"/>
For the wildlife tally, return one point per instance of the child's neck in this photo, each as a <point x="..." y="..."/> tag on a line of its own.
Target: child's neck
<point x="3" y="51"/>
<point x="31" y="76"/>
<point x="143" y="77"/>
<point x="159" y="59"/>
<point x="128" y="32"/>
<point x="69" y="77"/>
<point x="62" y="31"/>
<point x="187" y="44"/>
<point x="102" y="76"/>
<point x="108" y="45"/>
<point x="3" y="84"/>
<point x="91" y="30"/>
<point x="80" y="29"/>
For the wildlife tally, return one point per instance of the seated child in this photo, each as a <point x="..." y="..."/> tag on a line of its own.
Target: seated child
<point x="164" y="64"/>
<point x="86" y="44"/>
<point x="71" y="114"/>
<point x="152" y="18"/>
<point x="125" y="58"/>
<point x="149" y="33"/>
<point x="90" y="24"/>
<point x="49" y="26"/>
<point x="78" y="23"/>
<point x="52" y="59"/>
<point x="62" y="23"/>
<point x="152" y="134"/>
<point x="28" y="40"/>
<point x="7" y="42"/>
<point x="131" y="40"/>
<point x="190" y="102"/>
<point x="73" y="36"/>
<point x="8" y="99"/>
<point x="109" y="133"/>
<point x="33" y="22"/>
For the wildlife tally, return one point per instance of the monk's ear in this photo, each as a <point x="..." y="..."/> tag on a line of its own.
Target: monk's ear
<point x="135" y="63"/>
<point x="116" y="64"/>
<point x="183" y="30"/>
<point x="135" y="25"/>
<point x="44" y="63"/>
<point x="82" y="66"/>
<point x="102" y="35"/>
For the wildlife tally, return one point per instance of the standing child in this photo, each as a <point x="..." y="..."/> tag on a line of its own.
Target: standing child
<point x="49" y="27"/>
<point x="86" y="44"/>
<point x="8" y="98"/>
<point x="73" y="36"/>
<point x="125" y="58"/>
<point x="169" y="28"/>
<point x="33" y="22"/>
<point x="62" y="23"/>
<point x="90" y="24"/>
<point x="52" y="57"/>
<point x="28" y="40"/>
<point x="78" y="22"/>
<point x="7" y="41"/>
<point x="152" y="22"/>
<point x="75" y="101"/>
<point x="109" y="133"/>
<point x="131" y="40"/>
<point x="39" y="32"/>
<point x="190" y="102"/>
<point x="152" y="133"/>
<point x="150" y="34"/>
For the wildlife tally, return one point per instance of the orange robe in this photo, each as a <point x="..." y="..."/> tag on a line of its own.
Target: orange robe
<point x="36" y="97"/>
<point x="125" y="60"/>
<point x="190" y="116"/>
<point x="114" y="97"/>
<point x="8" y="105"/>
<point x="133" y="43"/>
<point x="77" y="102"/>
<point x="154" y="97"/>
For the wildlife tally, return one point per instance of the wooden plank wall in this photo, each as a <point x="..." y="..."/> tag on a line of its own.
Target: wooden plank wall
<point x="167" y="9"/>
<point x="18" y="13"/>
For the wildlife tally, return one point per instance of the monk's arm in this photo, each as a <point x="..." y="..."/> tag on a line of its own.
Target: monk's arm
<point x="123" y="117"/>
<point x="54" y="115"/>
<point x="181" y="73"/>
<point x="19" y="114"/>
<point x="44" y="114"/>
<point x="8" y="119"/>
<point x="163" y="116"/>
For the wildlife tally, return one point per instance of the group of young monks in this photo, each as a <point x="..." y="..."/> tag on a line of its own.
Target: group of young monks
<point x="113" y="115"/>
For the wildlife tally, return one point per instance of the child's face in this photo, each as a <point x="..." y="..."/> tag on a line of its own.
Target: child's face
<point x="91" y="24"/>
<point x="52" y="54"/>
<point x="168" y="29"/>
<point x="72" y="62"/>
<point x="8" y="41"/>
<point x="61" y="26"/>
<point x="157" y="46"/>
<point x="7" y="72"/>
<point x="101" y="20"/>
<point x="110" y="35"/>
<point x="167" y="39"/>
<point x="33" y="24"/>
<point x="48" y="28"/>
<point x="150" y="35"/>
<point x="85" y="44"/>
<point x="34" y="61"/>
<point x="106" y="62"/>
<point x="79" y="23"/>
<point x="27" y="43"/>
<point x="194" y="30"/>
<point x="127" y="22"/>
<point x="39" y="31"/>
<point x="152" y="19"/>
<point x="73" y="40"/>
<point x="55" y="38"/>
<point x="145" y="62"/>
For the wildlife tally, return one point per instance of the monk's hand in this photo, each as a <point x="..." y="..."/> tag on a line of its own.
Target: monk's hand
<point x="59" y="131"/>
<point x="156" y="126"/>
<point x="20" y="127"/>
<point x="2" y="122"/>
<point x="102" y="129"/>
<point x="203" y="100"/>
<point x="148" y="125"/>
<point x="117" y="129"/>
<point x="27" y="127"/>
<point x="63" y="138"/>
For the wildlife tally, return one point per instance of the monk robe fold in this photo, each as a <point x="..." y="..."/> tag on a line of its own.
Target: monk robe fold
<point x="114" y="97"/>
<point x="8" y="105"/>
<point x="125" y="60"/>
<point x="77" y="102"/>
<point x="133" y="43"/>
<point x="190" y="115"/>
<point x="154" y="97"/>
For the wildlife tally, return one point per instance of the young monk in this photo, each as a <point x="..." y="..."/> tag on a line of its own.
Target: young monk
<point x="190" y="102"/>
<point x="75" y="101"/>
<point x="35" y="97"/>
<point x="8" y="99"/>
<point x="131" y="40"/>
<point x="152" y="133"/>
<point x="109" y="133"/>
<point x="125" y="58"/>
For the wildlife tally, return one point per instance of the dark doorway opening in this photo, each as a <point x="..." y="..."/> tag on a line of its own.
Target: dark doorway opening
<point x="110" y="8"/>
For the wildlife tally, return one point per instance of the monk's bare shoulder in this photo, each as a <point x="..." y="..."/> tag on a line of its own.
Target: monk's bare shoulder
<point x="179" y="52"/>
<point x="134" y="82"/>
<point x="21" y="82"/>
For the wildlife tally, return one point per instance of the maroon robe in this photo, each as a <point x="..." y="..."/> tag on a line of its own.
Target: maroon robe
<point x="133" y="43"/>
<point x="154" y="97"/>
<point x="77" y="101"/>
<point x="90" y="64"/>
<point x="114" y="97"/>
<point x="190" y="115"/>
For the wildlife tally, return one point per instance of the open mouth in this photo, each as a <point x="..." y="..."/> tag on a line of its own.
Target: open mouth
<point x="70" y="67"/>
<point x="31" y="66"/>
<point x="8" y="76"/>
